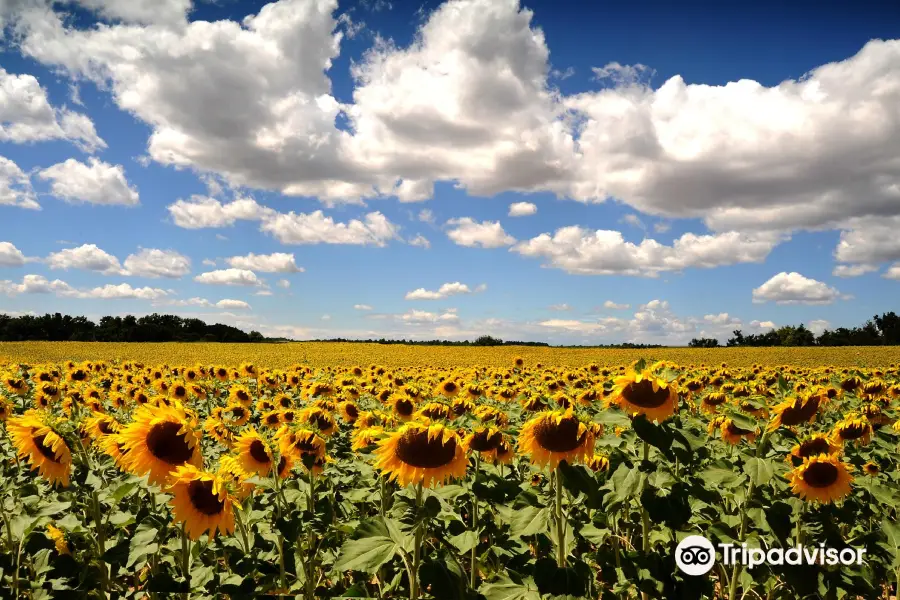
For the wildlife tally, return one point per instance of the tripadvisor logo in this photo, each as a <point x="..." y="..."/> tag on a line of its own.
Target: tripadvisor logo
<point x="696" y="555"/>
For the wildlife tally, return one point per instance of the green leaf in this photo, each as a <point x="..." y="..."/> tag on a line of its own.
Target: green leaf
<point x="201" y="575"/>
<point x="529" y="520"/>
<point x="653" y="434"/>
<point x="366" y="554"/>
<point x="123" y="491"/>
<point x="48" y="509"/>
<point x="509" y="590"/>
<point x="759" y="470"/>
<point x="142" y="544"/>
<point x="892" y="531"/>
<point x="464" y="541"/>
<point x="594" y="534"/>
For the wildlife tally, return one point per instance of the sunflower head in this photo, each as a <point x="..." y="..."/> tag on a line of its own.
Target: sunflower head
<point x="319" y="419"/>
<point x="159" y="440"/>
<point x="349" y="411"/>
<point x="554" y="436"/>
<point x="58" y="537"/>
<point x="644" y="393"/>
<point x="852" y="428"/>
<point x="823" y="479"/>
<point x="35" y="440"/>
<point x="253" y="453"/>
<point x="201" y="501"/>
<point x="422" y="453"/>
<point x="483" y="440"/>
<point x="810" y="446"/>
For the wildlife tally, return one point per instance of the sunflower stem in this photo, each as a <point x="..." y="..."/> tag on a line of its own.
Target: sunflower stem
<point x="736" y="571"/>
<point x="560" y="524"/>
<point x="239" y="519"/>
<point x="101" y="540"/>
<point x="311" y="556"/>
<point x="474" y="569"/>
<point x="417" y="550"/>
<point x="186" y="559"/>
<point x="645" y="519"/>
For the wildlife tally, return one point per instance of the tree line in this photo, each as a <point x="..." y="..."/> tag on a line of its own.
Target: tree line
<point x="880" y="330"/>
<point x="151" y="328"/>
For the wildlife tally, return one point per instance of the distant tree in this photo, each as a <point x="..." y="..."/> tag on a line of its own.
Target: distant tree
<point x="487" y="340"/>
<point x="703" y="343"/>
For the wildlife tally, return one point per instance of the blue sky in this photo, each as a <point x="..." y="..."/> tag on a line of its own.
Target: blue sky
<point x="571" y="172"/>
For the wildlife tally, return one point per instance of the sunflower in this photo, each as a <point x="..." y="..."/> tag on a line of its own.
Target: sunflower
<point x="160" y="439"/>
<point x="253" y="453"/>
<point x="236" y="414"/>
<point x="402" y="406"/>
<point x="298" y="443"/>
<point x="366" y="438"/>
<point x="447" y="388"/>
<point x="852" y="428"/>
<point x="823" y="478"/>
<point x="712" y="401"/>
<point x="5" y="408"/>
<point x="271" y="419"/>
<point x="219" y="431"/>
<point x="489" y="414"/>
<point x="794" y="411"/>
<point x="732" y="434"/>
<point x="113" y="446"/>
<point x="239" y="394"/>
<point x="16" y="385"/>
<point x="321" y="419"/>
<point x="202" y="502"/>
<point x="44" y="449"/>
<point x="813" y="445"/>
<point x="349" y="411"/>
<point x="461" y="405"/>
<point x="58" y="537"/>
<point x="179" y="391"/>
<point x="424" y="454"/>
<point x="871" y="469"/>
<point x="598" y="462"/>
<point x="483" y="440"/>
<point x="99" y="425"/>
<point x="230" y="470"/>
<point x="554" y="436"/>
<point x="503" y="454"/>
<point x="281" y="401"/>
<point x="645" y="394"/>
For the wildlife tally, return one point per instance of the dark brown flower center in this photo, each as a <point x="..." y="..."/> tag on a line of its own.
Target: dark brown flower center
<point x="404" y="407"/>
<point x="485" y="441"/>
<point x="801" y="412"/>
<point x="853" y="432"/>
<point x="105" y="427"/>
<point x="203" y="499"/>
<point x="814" y="447"/>
<point x="820" y="475"/>
<point x="415" y="449"/>
<point x="166" y="444"/>
<point x="238" y="412"/>
<point x="351" y="410"/>
<point x="735" y="430"/>
<point x="641" y="394"/>
<point x="559" y="437"/>
<point x="258" y="452"/>
<point x="43" y="447"/>
<point x="437" y="411"/>
<point x="242" y="395"/>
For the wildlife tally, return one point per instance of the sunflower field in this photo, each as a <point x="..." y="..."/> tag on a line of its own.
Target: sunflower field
<point x="124" y="479"/>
